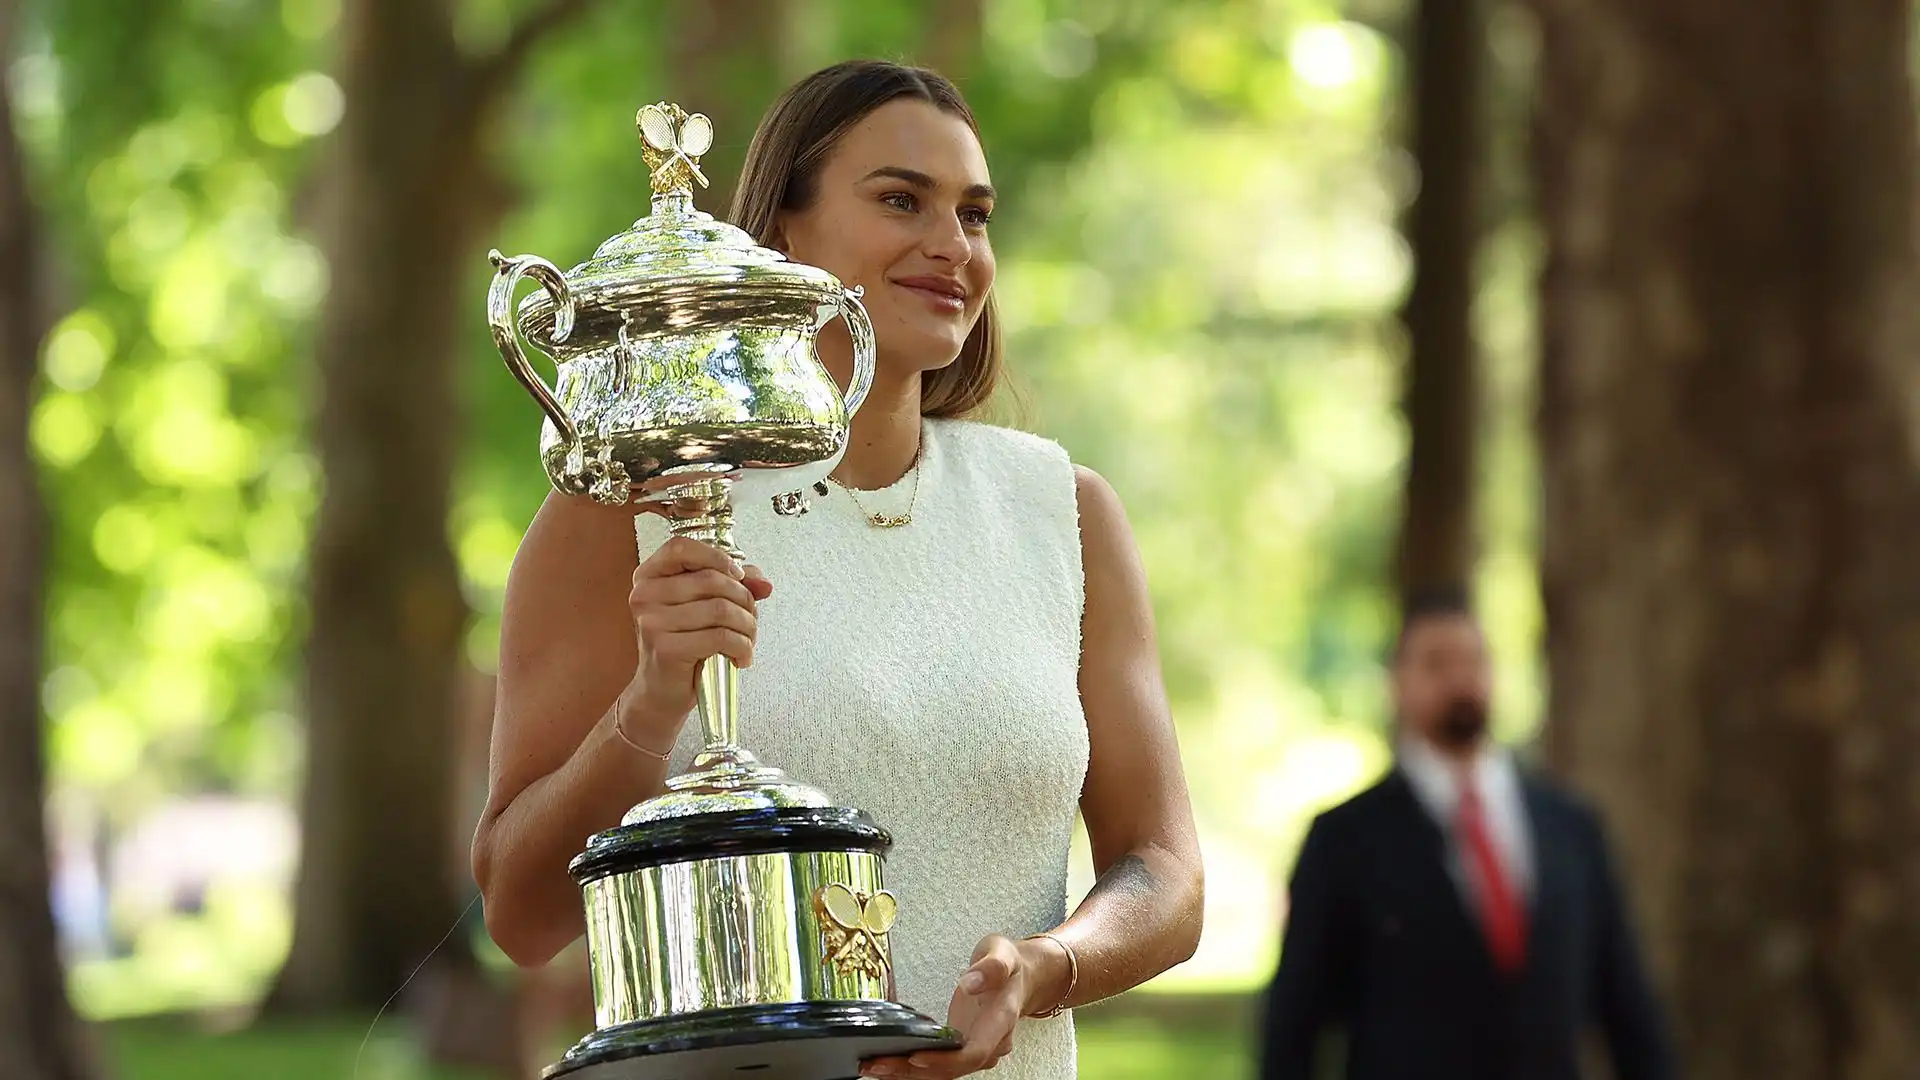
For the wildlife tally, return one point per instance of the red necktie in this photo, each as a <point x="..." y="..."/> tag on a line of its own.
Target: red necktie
<point x="1500" y="914"/>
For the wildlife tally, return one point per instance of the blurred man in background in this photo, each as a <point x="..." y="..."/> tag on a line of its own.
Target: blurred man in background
<point x="1460" y="920"/>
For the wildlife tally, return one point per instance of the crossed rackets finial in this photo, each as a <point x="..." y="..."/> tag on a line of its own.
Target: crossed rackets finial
<point x="684" y="137"/>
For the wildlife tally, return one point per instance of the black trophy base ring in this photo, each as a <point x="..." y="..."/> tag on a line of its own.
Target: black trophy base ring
<point x="807" y="1040"/>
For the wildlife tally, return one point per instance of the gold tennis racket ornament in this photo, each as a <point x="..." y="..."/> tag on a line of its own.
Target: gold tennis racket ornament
<point x="856" y="929"/>
<point x="678" y="137"/>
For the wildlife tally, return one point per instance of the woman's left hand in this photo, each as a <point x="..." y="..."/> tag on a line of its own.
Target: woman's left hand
<point x="991" y="997"/>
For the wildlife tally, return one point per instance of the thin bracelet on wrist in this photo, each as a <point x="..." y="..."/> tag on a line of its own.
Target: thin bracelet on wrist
<point x="1073" y="976"/>
<point x="620" y="730"/>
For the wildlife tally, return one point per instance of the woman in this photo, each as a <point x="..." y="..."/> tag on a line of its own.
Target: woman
<point x="962" y="644"/>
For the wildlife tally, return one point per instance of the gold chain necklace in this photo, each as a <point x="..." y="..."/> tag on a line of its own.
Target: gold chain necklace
<point x="887" y="521"/>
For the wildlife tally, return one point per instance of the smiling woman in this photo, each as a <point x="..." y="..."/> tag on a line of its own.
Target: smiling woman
<point x="894" y="151"/>
<point x="913" y="235"/>
<point x="962" y="645"/>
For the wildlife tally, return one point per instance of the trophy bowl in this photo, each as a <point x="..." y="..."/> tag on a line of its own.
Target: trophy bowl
<point x="685" y="351"/>
<point x="737" y="923"/>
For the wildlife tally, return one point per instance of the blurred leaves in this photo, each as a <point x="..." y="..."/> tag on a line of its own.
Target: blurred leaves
<point x="168" y="141"/>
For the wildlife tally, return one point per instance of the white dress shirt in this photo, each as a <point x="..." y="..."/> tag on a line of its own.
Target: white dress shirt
<point x="1436" y="783"/>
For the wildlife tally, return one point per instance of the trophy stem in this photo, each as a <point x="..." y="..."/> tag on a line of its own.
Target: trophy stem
<point x="724" y="776"/>
<point x="719" y="702"/>
<point x="703" y="510"/>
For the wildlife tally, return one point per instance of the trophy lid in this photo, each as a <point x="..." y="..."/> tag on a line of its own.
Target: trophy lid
<point x="679" y="254"/>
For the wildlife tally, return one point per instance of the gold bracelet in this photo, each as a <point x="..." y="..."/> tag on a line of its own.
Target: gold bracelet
<point x="1073" y="976"/>
<point x="621" y="731"/>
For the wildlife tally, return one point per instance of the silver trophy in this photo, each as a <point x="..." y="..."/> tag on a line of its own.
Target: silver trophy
<point x="737" y="923"/>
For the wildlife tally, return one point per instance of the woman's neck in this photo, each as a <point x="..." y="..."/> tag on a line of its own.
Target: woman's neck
<point x="886" y="434"/>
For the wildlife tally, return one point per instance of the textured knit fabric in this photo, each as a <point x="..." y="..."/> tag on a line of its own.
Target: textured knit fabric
<point x="929" y="675"/>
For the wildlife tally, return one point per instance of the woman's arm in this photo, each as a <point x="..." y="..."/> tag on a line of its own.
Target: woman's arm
<point x="591" y="648"/>
<point x="558" y="773"/>
<point x="1143" y="913"/>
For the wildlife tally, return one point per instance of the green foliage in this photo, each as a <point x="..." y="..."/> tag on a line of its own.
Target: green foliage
<point x="168" y="140"/>
<point x="216" y="959"/>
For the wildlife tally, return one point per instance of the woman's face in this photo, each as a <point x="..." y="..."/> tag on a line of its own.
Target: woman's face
<point x="901" y="208"/>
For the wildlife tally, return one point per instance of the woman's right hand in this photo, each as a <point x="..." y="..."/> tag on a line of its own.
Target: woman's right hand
<point x="689" y="602"/>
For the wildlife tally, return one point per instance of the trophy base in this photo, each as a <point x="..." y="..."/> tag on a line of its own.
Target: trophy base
<point x="808" y="1040"/>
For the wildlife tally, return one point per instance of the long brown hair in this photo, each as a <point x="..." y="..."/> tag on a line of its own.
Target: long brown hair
<point x="782" y="172"/>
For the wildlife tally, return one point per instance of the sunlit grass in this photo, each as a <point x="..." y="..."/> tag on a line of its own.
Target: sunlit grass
<point x="1133" y="1050"/>
<point x="1128" y="1049"/>
<point x="326" y="1051"/>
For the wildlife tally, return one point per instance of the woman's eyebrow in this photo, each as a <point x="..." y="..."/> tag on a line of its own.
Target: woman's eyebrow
<point x="917" y="179"/>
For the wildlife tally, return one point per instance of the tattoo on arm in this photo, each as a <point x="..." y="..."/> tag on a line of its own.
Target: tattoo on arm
<point x="1128" y="879"/>
<point x="1132" y="926"/>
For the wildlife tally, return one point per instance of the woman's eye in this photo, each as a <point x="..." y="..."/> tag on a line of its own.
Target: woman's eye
<point x="976" y="217"/>
<point x="899" y="200"/>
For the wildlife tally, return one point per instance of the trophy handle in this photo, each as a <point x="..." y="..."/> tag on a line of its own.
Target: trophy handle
<point x="861" y="327"/>
<point x="505" y="321"/>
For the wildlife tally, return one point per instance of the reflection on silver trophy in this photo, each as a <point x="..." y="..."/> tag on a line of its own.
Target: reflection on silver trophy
<point x="738" y="922"/>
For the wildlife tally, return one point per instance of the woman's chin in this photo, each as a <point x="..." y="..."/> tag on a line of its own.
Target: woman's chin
<point x="924" y="357"/>
<point x="932" y="343"/>
<point x="943" y="359"/>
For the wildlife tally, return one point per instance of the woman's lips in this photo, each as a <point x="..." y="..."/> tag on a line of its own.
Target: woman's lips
<point x="935" y="294"/>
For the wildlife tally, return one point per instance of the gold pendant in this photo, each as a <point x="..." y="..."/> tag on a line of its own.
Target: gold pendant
<point x="882" y="521"/>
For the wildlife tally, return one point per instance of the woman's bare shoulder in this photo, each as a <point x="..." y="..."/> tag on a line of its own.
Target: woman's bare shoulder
<point x="573" y="527"/>
<point x="574" y="539"/>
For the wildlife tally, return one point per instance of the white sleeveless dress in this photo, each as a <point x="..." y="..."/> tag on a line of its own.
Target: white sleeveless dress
<point x="929" y="675"/>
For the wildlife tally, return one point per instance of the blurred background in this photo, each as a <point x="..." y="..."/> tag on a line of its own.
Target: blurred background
<point x="1605" y="307"/>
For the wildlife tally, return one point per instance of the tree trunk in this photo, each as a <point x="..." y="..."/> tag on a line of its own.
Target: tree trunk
<point x="410" y="195"/>
<point x="1733" y="510"/>
<point x="950" y="42"/>
<point x="40" y="1038"/>
<point x="1437" y="534"/>
<point x="733" y="57"/>
<point x="730" y="61"/>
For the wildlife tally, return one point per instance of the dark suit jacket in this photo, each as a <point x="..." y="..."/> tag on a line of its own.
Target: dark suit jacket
<point x="1380" y="946"/>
